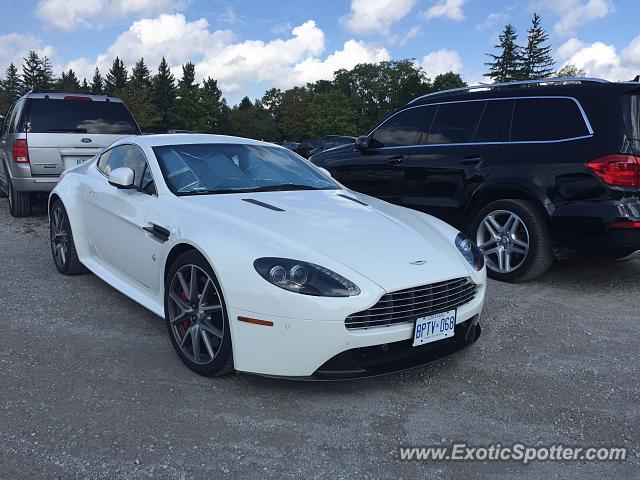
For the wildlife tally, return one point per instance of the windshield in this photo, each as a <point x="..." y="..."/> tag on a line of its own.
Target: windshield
<point x="199" y="169"/>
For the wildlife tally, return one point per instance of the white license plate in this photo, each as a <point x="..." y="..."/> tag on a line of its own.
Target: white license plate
<point x="73" y="161"/>
<point x="434" y="327"/>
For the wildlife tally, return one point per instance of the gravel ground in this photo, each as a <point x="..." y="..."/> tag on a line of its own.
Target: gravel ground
<point x="90" y="387"/>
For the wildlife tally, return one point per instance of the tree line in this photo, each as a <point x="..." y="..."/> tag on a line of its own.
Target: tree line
<point x="349" y="104"/>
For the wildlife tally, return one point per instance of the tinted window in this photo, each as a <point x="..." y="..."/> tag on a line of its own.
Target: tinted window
<point x="124" y="156"/>
<point x="75" y="116"/>
<point x="546" y="119"/>
<point x="489" y="125"/>
<point x="631" y="114"/>
<point x="227" y="168"/>
<point x="455" y="122"/>
<point x="401" y="129"/>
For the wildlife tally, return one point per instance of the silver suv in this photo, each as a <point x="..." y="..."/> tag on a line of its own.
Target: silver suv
<point x="45" y="133"/>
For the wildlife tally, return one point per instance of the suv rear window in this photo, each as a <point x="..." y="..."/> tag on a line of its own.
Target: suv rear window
<point x="544" y="119"/>
<point x="75" y="116"/>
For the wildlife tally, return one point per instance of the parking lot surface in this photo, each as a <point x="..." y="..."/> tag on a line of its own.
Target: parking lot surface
<point x="90" y="386"/>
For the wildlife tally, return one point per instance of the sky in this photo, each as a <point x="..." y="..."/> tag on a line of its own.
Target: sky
<point x="251" y="45"/>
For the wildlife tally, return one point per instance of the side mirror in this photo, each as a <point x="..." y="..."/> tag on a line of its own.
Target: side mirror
<point x="122" y="177"/>
<point x="362" y="143"/>
<point x="325" y="171"/>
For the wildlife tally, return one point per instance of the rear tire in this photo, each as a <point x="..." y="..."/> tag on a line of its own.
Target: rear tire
<point x="63" y="248"/>
<point x="19" y="202"/>
<point x="196" y="316"/>
<point x="514" y="238"/>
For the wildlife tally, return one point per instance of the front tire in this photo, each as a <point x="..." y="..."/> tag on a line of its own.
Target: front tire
<point x="196" y="316"/>
<point x="514" y="239"/>
<point x="63" y="247"/>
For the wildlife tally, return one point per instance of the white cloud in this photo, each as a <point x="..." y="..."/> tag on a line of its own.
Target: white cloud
<point x="15" y="46"/>
<point x="375" y="16"/>
<point x="599" y="59"/>
<point x="574" y="13"/>
<point x="283" y="62"/>
<point x="451" y="9"/>
<point x="441" y="61"/>
<point x="492" y="20"/>
<point x="70" y="14"/>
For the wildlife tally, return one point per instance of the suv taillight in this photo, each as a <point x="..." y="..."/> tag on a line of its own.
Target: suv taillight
<point x="618" y="170"/>
<point x="20" y="151"/>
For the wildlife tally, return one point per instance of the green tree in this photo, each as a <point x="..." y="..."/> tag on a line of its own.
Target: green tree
<point x="36" y="73"/>
<point x="139" y="97"/>
<point x="570" y="71"/>
<point x="211" y="96"/>
<point x="188" y="112"/>
<point x="116" y="79"/>
<point x="506" y="66"/>
<point x="97" y="83"/>
<point x="537" y="61"/>
<point x="447" y="81"/>
<point x="85" y="87"/>
<point x="294" y="123"/>
<point x="164" y="95"/>
<point x="68" y="82"/>
<point x="331" y="113"/>
<point x="10" y="88"/>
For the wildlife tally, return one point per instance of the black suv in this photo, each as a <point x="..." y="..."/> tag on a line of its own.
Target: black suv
<point x="531" y="170"/>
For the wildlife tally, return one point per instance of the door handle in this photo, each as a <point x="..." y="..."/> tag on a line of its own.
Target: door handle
<point x="471" y="160"/>
<point x="395" y="160"/>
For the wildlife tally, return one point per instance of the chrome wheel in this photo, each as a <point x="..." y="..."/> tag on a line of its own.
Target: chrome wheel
<point x="196" y="315"/>
<point x="504" y="240"/>
<point x="59" y="237"/>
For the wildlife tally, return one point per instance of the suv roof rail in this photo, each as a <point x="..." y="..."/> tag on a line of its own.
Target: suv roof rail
<point x="38" y="90"/>
<point x="491" y="86"/>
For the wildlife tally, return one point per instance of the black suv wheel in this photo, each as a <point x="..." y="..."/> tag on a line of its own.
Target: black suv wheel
<point x="514" y="239"/>
<point x="19" y="202"/>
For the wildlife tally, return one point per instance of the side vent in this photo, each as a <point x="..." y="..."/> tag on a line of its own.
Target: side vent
<point x="262" y="204"/>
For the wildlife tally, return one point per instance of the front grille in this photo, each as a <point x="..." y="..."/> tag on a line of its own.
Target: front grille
<point x="406" y="305"/>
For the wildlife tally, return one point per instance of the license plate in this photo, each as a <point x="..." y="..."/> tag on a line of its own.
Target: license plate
<point x="434" y="327"/>
<point x="73" y="161"/>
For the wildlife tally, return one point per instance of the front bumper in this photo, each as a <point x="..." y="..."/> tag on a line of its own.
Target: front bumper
<point x="314" y="349"/>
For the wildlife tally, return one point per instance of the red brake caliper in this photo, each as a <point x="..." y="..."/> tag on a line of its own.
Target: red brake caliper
<point x="185" y="322"/>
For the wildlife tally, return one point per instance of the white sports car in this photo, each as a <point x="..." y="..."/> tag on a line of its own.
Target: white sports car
<point x="261" y="262"/>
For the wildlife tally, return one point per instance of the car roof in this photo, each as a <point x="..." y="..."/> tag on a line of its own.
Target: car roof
<point x="191" y="138"/>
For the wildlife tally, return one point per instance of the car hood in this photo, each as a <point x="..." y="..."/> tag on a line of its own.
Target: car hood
<point x="394" y="251"/>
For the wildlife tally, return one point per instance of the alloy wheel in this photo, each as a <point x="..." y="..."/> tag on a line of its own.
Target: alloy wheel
<point x="504" y="240"/>
<point x="59" y="237"/>
<point x="196" y="314"/>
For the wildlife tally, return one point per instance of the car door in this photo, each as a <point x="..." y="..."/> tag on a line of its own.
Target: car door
<point x="118" y="216"/>
<point x="455" y="155"/>
<point x="379" y="169"/>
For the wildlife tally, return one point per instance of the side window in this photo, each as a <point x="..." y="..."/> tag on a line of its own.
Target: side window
<point x="402" y="129"/>
<point x="491" y="121"/>
<point x="455" y="123"/>
<point x="125" y="156"/>
<point x="7" y="120"/>
<point x="536" y="119"/>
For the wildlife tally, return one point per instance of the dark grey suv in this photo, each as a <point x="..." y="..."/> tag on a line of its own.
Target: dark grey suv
<point x="45" y="133"/>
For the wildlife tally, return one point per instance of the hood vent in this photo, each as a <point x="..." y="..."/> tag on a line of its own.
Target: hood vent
<point x="262" y="204"/>
<point x="352" y="199"/>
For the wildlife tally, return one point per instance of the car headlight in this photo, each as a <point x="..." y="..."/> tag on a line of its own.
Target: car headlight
<point x="304" y="277"/>
<point x="470" y="251"/>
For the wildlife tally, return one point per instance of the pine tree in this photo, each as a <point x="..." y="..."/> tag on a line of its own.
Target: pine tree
<point x="69" y="82"/>
<point x="211" y="96"/>
<point x="506" y="67"/>
<point x="85" y="88"/>
<point x="188" y="111"/>
<point x="164" y="94"/>
<point x="116" y="79"/>
<point x="537" y="61"/>
<point x="46" y="79"/>
<point x="139" y="96"/>
<point x="11" y="84"/>
<point x="31" y="72"/>
<point x="97" y="83"/>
